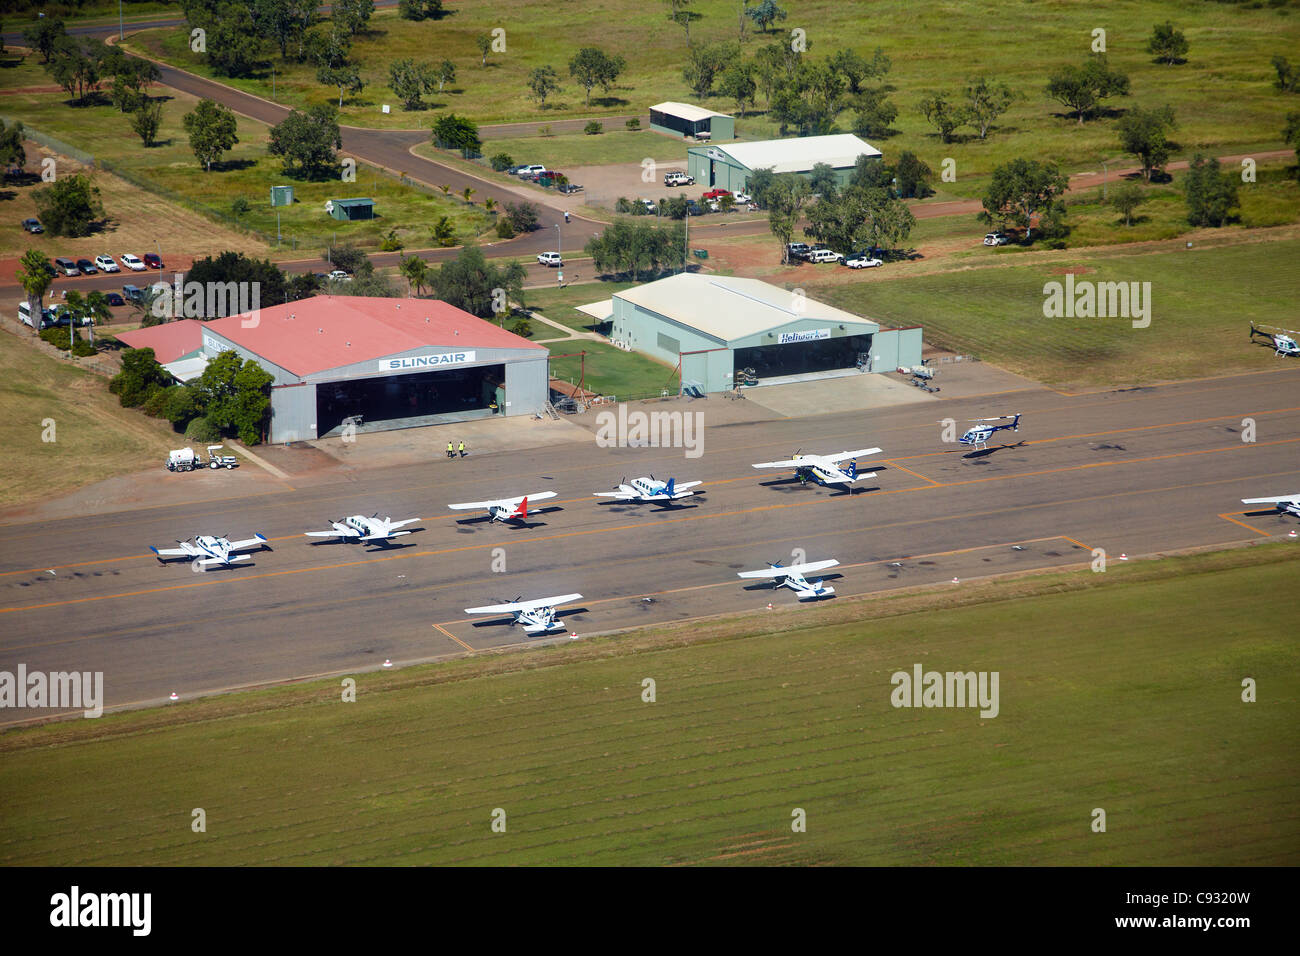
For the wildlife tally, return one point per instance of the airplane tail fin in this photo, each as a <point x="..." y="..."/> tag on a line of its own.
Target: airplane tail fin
<point x="523" y="508"/>
<point x="671" y="482"/>
<point x="852" y="470"/>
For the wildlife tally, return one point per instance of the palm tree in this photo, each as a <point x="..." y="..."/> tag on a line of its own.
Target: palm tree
<point x="467" y="192"/>
<point x="35" y="279"/>
<point x="446" y="190"/>
<point x="416" y="272"/>
<point x="489" y="204"/>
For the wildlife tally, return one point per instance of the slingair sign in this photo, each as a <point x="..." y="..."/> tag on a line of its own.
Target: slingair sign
<point x="788" y="338"/>
<point x="412" y="362"/>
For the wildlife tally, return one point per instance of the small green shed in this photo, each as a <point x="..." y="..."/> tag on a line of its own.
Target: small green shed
<point x="351" y="209"/>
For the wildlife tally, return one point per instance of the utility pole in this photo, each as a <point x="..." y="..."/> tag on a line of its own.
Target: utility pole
<point x="1103" y="180"/>
<point x="120" y="34"/>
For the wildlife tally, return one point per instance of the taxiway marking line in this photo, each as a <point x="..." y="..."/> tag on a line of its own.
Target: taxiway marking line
<point x="1077" y="543"/>
<point x="1229" y="517"/>
<point x="439" y="627"/>
<point x="895" y="464"/>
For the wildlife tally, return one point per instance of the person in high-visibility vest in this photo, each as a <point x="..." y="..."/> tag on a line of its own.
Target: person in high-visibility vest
<point x="450" y="452"/>
<point x="462" y="449"/>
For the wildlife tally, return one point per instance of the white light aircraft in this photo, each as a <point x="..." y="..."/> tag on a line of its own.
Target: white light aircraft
<point x="1283" y="339"/>
<point x="208" y="550"/>
<point x="793" y="577"/>
<point x="979" y="436"/>
<point x="363" y="529"/>
<point x="825" y="469"/>
<point x="504" y="509"/>
<point x="1286" y="504"/>
<point x="650" y="489"/>
<point x="537" y="616"/>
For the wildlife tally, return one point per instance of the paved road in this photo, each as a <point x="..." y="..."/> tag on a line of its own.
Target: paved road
<point x="1136" y="471"/>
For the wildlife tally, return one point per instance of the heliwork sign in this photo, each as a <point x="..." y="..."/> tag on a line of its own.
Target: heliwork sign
<point x="812" y="335"/>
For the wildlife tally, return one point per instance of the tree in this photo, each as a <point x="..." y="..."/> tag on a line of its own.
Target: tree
<point x="420" y="9"/>
<point x="1144" y="133"/>
<point x="679" y="14"/>
<point x="1291" y="135"/>
<point x="856" y="69"/>
<point x="347" y="257"/>
<point x="875" y="113"/>
<point x="523" y="216"/>
<point x="469" y="281"/>
<point x="986" y="100"/>
<point x="306" y="142"/>
<point x="1082" y="88"/>
<point x="542" y="82"/>
<point x="484" y="44"/>
<point x="913" y="177"/>
<point x="346" y="77"/>
<point x="231" y="270"/>
<point x="468" y="195"/>
<point x="131" y="79"/>
<point x="76" y="66"/>
<point x="632" y="248"/>
<point x="764" y="14"/>
<point x="943" y="115"/>
<point x="822" y="180"/>
<point x="592" y="66"/>
<point x="140" y="377"/>
<point x="69" y="205"/>
<point x="738" y="85"/>
<point x="705" y="61"/>
<point x="444" y="233"/>
<point x="35" y="280"/>
<point x="1020" y="190"/>
<point x="785" y="199"/>
<point x="444" y="73"/>
<point x="211" y="128"/>
<point x="456" y="132"/>
<point x="416" y="271"/>
<point x="352" y="16"/>
<point x="236" y="44"/>
<point x="235" y="396"/>
<point x="1167" y="45"/>
<point x="1288" y="77"/>
<point x="146" y="121"/>
<point x="12" y="152"/>
<point x="1210" y="194"/>
<point x="501" y="161"/>
<point x="283" y="21"/>
<point x="42" y="36"/>
<point x="409" y="80"/>
<point x="1126" y="197"/>
<point x="810" y="98"/>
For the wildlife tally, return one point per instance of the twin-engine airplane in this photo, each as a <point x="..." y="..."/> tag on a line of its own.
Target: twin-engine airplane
<point x="979" y="436"/>
<point x="650" y="489"/>
<point x="793" y="577"/>
<point x="537" y="616"/>
<point x="1286" y="504"/>
<point x="208" y="550"/>
<point x="825" y="469"/>
<point x="363" y="529"/>
<point x="504" y="509"/>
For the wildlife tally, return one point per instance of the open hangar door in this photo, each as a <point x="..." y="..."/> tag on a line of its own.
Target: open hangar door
<point x="406" y="401"/>
<point x="801" y="358"/>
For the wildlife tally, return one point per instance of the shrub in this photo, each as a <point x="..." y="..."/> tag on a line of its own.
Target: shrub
<point x="154" y="404"/>
<point x="59" y="339"/>
<point x="523" y="216"/>
<point x="502" y="161"/>
<point x="504" y="229"/>
<point x="390" y="242"/>
<point x="202" y="430"/>
<point x="593" y="128"/>
<point x="634" y="123"/>
<point x="522" y="327"/>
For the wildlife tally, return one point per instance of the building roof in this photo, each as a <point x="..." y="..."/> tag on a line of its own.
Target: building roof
<point x="169" y="341"/>
<point x="798" y="155"/>
<point x="326" y="332"/>
<point x="353" y="202"/>
<point x="187" y="369"/>
<point x="686" y="111"/>
<point x="729" y="308"/>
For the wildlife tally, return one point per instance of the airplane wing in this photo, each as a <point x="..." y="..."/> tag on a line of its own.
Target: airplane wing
<point x="792" y="569"/>
<point x="620" y="495"/>
<point x="502" y="502"/>
<point x="1270" y="501"/>
<point x="788" y="463"/>
<point x="686" y="484"/>
<point x="524" y="605"/>
<point x="345" y="533"/>
<point x="170" y="552"/>
<point x="476" y="505"/>
<point x="841" y="456"/>
<point x="210" y="562"/>
<point x="255" y="541"/>
<point x="398" y="524"/>
<point x="385" y="535"/>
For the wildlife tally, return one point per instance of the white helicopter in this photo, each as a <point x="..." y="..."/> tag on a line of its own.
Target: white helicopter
<point x="1283" y="339"/>
<point x="1285" y="504"/>
<point x="504" y="509"/>
<point x="979" y="436"/>
<point x="793" y="577"/>
<point x="825" y="469"/>
<point x="208" y="550"/>
<point x="363" y="529"/>
<point x="537" y="616"/>
<point x="650" y="489"/>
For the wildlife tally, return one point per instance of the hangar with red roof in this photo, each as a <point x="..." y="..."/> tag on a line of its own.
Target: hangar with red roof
<point x="379" y="362"/>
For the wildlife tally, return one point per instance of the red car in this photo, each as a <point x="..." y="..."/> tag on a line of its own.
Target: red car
<point x="717" y="193"/>
<point x="152" y="261"/>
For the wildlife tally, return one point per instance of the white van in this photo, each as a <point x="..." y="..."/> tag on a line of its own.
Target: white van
<point x="25" y="315"/>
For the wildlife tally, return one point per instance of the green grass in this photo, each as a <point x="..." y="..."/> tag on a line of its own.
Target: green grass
<point x="1207" y="296"/>
<point x="246" y="171"/>
<point x="564" y="151"/>
<point x="1117" y="690"/>
<point x="611" y="371"/>
<point x="559" y="305"/>
<point x="1223" y="95"/>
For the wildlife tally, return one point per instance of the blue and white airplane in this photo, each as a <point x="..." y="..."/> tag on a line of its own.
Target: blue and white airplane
<point x="208" y="550"/>
<point x="363" y="529"/>
<point x="1286" y="504"/>
<point x="537" y="616"/>
<point x="979" y="436"/>
<point x="650" y="489"/>
<point x="825" y="469"/>
<point x="793" y="577"/>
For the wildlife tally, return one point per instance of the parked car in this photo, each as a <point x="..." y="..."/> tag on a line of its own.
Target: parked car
<point x="996" y="239"/>
<point x="798" y="250"/>
<point x="106" y="264"/>
<point x="862" y="261"/>
<point x="824" y="255"/>
<point x="693" y="208"/>
<point x="152" y="261"/>
<point x="66" y="267"/>
<point x="33" y="225"/>
<point x="716" y="193"/>
<point x="338" y="275"/>
<point x="133" y="293"/>
<point x="87" y="267"/>
<point x="535" y="169"/>
<point x="550" y="259"/>
<point x="112" y="298"/>
<point x="649" y="206"/>
<point x="25" y="314"/>
<point x="678" y="178"/>
<point x="743" y="197"/>
<point x="133" y="263"/>
<point x="570" y="188"/>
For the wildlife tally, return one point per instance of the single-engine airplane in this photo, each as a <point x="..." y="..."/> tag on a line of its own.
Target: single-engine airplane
<point x="537" y="616"/>
<point x="978" y="437"/>
<point x="208" y="550"/>
<point x="650" y="489"/>
<point x="363" y="529"/>
<point x="504" y="509"/>
<point x="793" y="577"/>
<point x="825" y="469"/>
<point x="1285" y="504"/>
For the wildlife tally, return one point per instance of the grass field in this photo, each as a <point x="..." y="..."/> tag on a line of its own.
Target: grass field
<point x="1223" y="95"/>
<point x="1119" y="690"/>
<point x="1207" y="295"/>
<point x="246" y="171"/>
<point x="94" y="437"/>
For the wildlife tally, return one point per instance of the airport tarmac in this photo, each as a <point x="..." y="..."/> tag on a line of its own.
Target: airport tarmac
<point x="1135" y="472"/>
